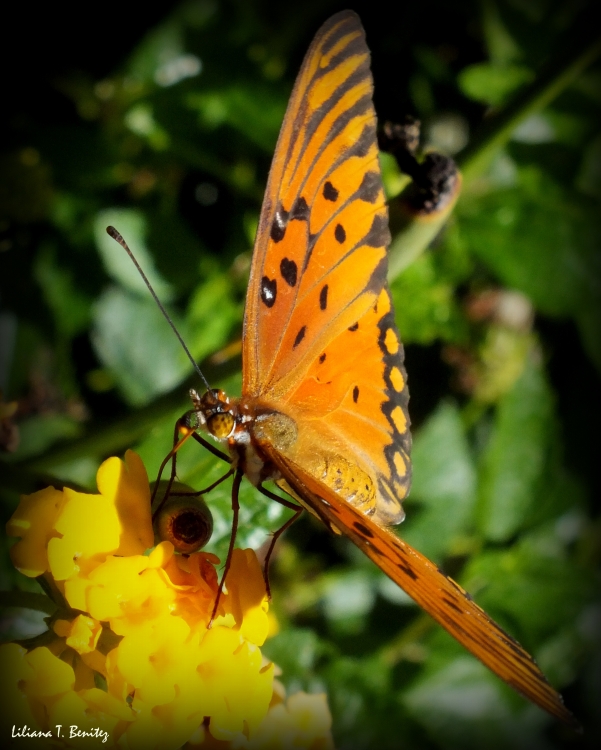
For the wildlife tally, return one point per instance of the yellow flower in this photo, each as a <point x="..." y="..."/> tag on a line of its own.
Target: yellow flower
<point x="81" y="634"/>
<point x="34" y="521"/>
<point x="303" y="721"/>
<point x="131" y="660"/>
<point x="14" y="673"/>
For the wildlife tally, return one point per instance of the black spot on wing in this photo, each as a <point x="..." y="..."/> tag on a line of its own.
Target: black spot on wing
<point x="323" y="297"/>
<point x="452" y="604"/>
<point x="339" y="233"/>
<point x="322" y="358"/>
<point x="354" y="327"/>
<point x="299" y="337"/>
<point x="278" y="226"/>
<point x="356" y="393"/>
<point x="329" y="192"/>
<point x="363" y="530"/>
<point x="300" y="210"/>
<point x="289" y="271"/>
<point x="408" y="571"/>
<point x="269" y="291"/>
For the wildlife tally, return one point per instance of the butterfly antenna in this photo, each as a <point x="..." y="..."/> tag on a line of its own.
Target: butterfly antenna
<point x="112" y="232"/>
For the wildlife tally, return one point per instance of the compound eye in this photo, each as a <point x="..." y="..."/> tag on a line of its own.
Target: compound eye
<point x="221" y="425"/>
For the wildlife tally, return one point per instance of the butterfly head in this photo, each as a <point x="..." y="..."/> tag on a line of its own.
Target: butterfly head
<point x="213" y="410"/>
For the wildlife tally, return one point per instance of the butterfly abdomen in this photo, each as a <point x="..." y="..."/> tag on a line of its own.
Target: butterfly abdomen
<point x="346" y="479"/>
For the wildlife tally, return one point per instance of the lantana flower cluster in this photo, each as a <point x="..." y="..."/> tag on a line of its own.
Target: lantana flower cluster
<point x="129" y="659"/>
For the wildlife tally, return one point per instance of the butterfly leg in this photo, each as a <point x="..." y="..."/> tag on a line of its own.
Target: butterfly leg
<point x="235" y="511"/>
<point x="211" y="448"/>
<point x="298" y="509"/>
<point x="177" y="443"/>
<point x="206" y="489"/>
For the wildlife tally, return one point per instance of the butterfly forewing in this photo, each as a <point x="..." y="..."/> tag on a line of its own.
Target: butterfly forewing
<point x="319" y="259"/>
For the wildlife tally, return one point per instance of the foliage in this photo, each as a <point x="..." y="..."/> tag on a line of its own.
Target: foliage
<point x="500" y="320"/>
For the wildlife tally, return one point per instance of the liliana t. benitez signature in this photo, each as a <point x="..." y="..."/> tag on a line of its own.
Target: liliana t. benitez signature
<point x="71" y="731"/>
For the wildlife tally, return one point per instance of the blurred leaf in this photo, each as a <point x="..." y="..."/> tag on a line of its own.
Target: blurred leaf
<point x="134" y="341"/>
<point x="211" y="315"/>
<point x="513" y="461"/>
<point x="257" y="113"/>
<point x="364" y="706"/>
<point x="589" y="178"/>
<point x="297" y="651"/>
<point x="444" y="485"/>
<point x="131" y="224"/>
<point x="534" y="129"/>
<point x="141" y="121"/>
<point x="71" y="308"/>
<point x="348" y="598"/>
<point x="425" y="303"/>
<point x="25" y="186"/>
<point x="502" y="49"/>
<point x="542" y="240"/>
<point x="166" y="44"/>
<point x="40" y="432"/>
<point x="493" y="84"/>
<point x="532" y="589"/>
<point x="463" y="705"/>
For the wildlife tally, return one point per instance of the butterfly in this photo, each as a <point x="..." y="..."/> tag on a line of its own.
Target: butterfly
<point x="323" y="410"/>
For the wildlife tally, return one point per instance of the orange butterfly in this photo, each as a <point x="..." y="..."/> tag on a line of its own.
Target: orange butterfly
<point x="323" y="410"/>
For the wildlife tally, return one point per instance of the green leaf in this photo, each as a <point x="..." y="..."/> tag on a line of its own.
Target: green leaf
<point x="297" y="651"/>
<point x="542" y="239"/>
<point x="134" y="341"/>
<point x="513" y="461"/>
<point x="364" y="705"/>
<point x="40" y="432"/>
<point x="131" y="224"/>
<point x="444" y="485"/>
<point x="348" y="599"/>
<point x="258" y="113"/>
<point x="425" y="305"/>
<point x="71" y="308"/>
<point x="211" y="315"/>
<point x="533" y="590"/>
<point x="493" y="84"/>
<point x="463" y="705"/>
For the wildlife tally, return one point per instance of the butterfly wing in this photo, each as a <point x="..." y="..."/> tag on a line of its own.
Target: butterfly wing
<point x="440" y="596"/>
<point x="322" y="360"/>
<point x="319" y="332"/>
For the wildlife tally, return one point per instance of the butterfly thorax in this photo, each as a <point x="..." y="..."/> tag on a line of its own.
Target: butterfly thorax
<point x="237" y="422"/>
<point x="248" y="425"/>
